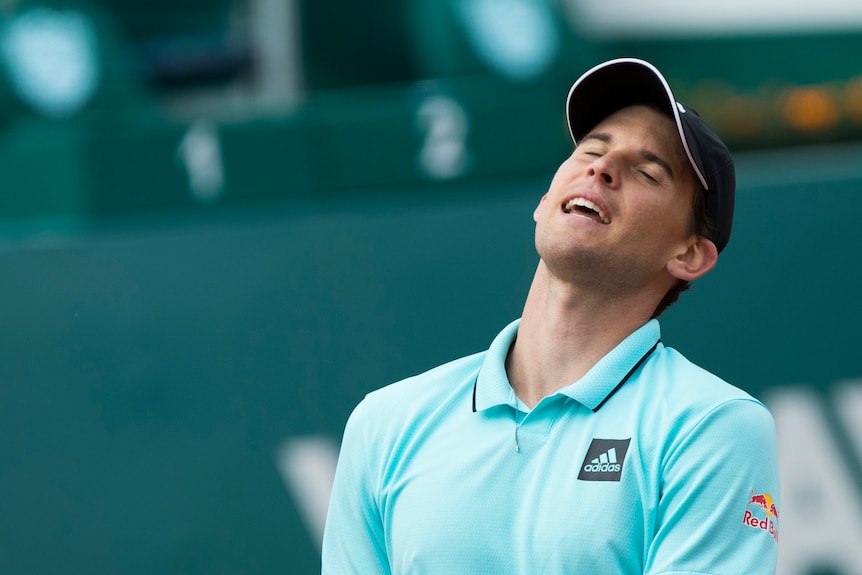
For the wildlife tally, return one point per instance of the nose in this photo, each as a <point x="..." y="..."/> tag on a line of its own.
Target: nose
<point x="604" y="169"/>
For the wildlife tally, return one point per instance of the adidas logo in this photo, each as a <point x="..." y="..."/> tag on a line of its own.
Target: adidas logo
<point x="604" y="460"/>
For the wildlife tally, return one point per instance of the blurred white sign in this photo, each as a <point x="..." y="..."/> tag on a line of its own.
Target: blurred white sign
<point x="821" y="507"/>
<point x="681" y="18"/>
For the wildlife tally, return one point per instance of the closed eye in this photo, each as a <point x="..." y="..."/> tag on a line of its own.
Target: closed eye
<point x="593" y="144"/>
<point x="658" y="161"/>
<point x="591" y="151"/>
<point x="648" y="176"/>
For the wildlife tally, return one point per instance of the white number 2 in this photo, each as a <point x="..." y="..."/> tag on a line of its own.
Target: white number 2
<point x="444" y="126"/>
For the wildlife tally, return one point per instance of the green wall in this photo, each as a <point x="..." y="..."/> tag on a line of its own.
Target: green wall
<point x="153" y="368"/>
<point x="193" y="305"/>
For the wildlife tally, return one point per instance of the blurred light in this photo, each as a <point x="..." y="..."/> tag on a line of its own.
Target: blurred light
<point x="52" y="58"/>
<point x="853" y="99"/>
<point x="811" y="109"/>
<point x="518" y="39"/>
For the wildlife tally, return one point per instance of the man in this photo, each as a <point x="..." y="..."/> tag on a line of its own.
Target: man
<point x="578" y="442"/>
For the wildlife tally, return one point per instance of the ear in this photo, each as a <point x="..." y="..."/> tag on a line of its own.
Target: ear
<point x="698" y="258"/>
<point x="539" y="208"/>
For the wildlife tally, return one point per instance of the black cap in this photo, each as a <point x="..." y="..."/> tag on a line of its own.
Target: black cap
<point x="623" y="82"/>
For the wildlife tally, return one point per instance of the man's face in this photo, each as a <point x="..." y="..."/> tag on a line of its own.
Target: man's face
<point x="619" y="208"/>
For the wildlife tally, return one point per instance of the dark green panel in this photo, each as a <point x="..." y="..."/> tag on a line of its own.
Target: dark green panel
<point x="781" y="306"/>
<point x="152" y="369"/>
<point x="349" y="44"/>
<point x="44" y="175"/>
<point x="134" y="166"/>
<point x="748" y="61"/>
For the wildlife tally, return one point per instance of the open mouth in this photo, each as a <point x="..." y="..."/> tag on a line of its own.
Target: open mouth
<point x="586" y="208"/>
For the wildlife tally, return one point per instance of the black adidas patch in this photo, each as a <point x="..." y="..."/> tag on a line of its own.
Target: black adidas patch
<point x="604" y="460"/>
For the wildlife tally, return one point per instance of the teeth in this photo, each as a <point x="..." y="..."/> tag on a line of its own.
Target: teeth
<point x="589" y="205"/>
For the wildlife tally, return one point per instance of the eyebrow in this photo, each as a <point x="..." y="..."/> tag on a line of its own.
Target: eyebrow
<point x="645" y="154"/>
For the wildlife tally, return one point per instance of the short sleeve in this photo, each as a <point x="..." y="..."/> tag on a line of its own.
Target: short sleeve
<point x="353" y="539"/>
<point x="718" y="507"/>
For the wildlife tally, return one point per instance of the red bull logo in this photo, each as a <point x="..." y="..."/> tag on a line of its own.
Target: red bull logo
<point x="765" y="502"/>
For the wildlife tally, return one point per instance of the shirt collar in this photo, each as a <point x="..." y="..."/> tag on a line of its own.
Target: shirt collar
<point x="592" y="390"/>
<point x="604" y="378"/>
<point x="492" y="384"/>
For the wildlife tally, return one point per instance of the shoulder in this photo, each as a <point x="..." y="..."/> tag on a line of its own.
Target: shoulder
<point x="442" y="379"/>
<point x="415" y="397"/>
<point x="693" y="401"/>
<point x="710" y="448"/>
<point x="690" y="384"/>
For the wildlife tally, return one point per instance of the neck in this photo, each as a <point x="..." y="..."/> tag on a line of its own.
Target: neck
<point x="566" y="330"/>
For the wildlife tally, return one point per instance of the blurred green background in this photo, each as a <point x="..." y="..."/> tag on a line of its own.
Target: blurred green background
<point x="222" y="222"/>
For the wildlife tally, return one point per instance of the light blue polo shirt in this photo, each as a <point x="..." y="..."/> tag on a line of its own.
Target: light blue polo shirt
<point x="647" y="464"/>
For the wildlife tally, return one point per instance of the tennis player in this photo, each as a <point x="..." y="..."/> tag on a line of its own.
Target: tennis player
<point x="578" y="442"/>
